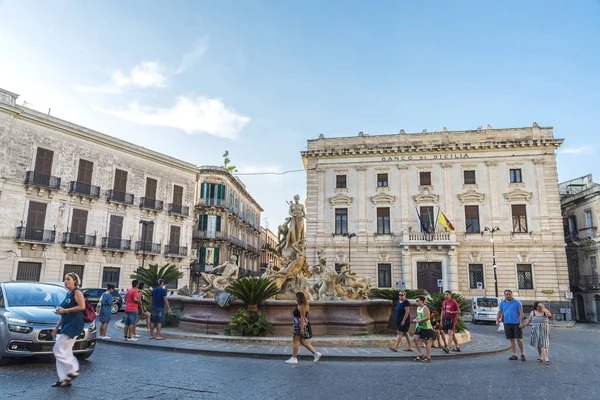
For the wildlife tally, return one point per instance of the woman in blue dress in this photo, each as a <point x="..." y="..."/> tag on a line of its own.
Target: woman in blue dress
<point x="71" y="326"/>
<point x="105" y="314"/>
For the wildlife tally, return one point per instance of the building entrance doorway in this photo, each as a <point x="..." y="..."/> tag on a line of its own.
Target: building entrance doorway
<point x="580" y="309"/>
<point x="428" y="274"/>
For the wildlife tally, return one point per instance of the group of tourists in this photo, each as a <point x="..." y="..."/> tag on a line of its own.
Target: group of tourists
<point x="135" y="308"/>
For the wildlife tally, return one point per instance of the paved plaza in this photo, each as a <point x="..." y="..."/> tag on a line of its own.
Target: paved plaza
<point x="118" y="371"/>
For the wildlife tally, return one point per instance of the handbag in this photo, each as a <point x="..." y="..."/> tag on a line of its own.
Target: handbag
<point x="501" y="327"/>
<point x="309" y="333"/>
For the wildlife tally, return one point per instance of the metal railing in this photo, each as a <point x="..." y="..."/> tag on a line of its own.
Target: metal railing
<point x="35" y="235"/>
<point x="214" y="202"/>
<point x="84" y="189"/>
<point x="79" y="239"/>
<point x="39" y="179"/>
<point x="427" y="236"/>
<point x="119" y="197"/>
<point x="205" y="235"/>
<point x="147" y="247"/>
<point x="114" y="243"/>
<point x="173" y="249"/>
<point x="151" y="204"/>
<point x="178" y="209"/>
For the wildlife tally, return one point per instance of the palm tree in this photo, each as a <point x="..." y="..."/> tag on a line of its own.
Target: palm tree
<point x="169" y="273"/>
<point x="252" y="291"/>
<point x="435" y="304"/>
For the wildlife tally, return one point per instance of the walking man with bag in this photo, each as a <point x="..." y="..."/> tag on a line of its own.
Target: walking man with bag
<point x="512" y="311"/>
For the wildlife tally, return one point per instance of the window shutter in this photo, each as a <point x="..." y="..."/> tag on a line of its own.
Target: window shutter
<point x="221" y="192"/>
<point x="203" y="191"/>
<point x="216" y="256"/>
<point x="201" y="257"/>
<point x="218" y="223"/>
<point x="202" y="222"/>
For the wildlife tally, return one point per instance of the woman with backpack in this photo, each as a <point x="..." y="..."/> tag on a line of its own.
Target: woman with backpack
<point x="70" y="325"/>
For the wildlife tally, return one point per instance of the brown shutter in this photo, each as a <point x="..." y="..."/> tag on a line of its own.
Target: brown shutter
<point x="425" y="178"/>
<point x="115" y="229"/>
<point x="177" y="195"/>
<point x="84" y="175"/>
<point x="120" y="180"/>
<point x="151" y="188"/>
<point x="43" y="161"/>
<point x="79" y="221"/>
<point x="383" y="212"/>
<point x="472" y="212"/>
<point x="174" y="238"/>
<point x="36" y="215"/>
<point x="147" y="233"/>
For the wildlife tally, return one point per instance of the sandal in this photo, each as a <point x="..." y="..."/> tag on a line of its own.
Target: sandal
<point x="523" y="358"/>
<point x="513" y="358"/>
<point x="392" y="349"/>
<point x="64" y="383"/>
<point x="447" y="350"/>
<point x="539" y="360"/>
<point x="72" y="376"/>
<point x="408" y="350"/>
<point x="419" y="358"/>
<point x="457" y="349"/>
<point x="426" y="360"/>
<point x="548" y="362"/>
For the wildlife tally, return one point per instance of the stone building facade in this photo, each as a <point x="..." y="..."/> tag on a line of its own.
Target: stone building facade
<point x="269" y="252"/>
<point x="580" y="201"/>
<point x="228" y="222"/>
<point x="73" y="199"/>
<point x="374" y="186"/>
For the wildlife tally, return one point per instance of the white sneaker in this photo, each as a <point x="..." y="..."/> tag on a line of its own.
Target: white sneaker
<point x="132" y="339"/>
<point x="292" y="360"/>
<point x="105" y="337"/>
<point x="317" y="356"/>
<point x="136" y="335"/>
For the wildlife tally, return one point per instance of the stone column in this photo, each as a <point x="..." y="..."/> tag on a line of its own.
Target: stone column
<point x="495" y="212"/>
<point x="452" y="270"/>
<point x="542" y="200"/>
<point x="406" y="266"/>
<point x="361" y="203"/>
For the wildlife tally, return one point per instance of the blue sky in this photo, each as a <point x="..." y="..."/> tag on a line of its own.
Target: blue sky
<point x="258" y="78"/>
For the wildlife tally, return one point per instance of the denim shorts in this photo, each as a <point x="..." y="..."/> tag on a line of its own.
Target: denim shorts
<point x="130" y="318"/>
<point x="157" y="316"/>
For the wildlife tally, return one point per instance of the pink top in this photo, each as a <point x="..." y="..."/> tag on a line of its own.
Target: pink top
<point x="450" y="305"/>
<point x="130" y="297"/>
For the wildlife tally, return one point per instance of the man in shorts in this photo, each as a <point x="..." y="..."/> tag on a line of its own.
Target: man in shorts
<point x="424" y="330"/>
<point x="159" y="300"/>
<point x="402" y="312"/>
<point x="132" y="301"/>
<point x="512" y="310"/>
<point x="448" y="318"/>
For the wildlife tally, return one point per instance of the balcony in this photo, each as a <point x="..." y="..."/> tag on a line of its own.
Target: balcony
<point x="151" y="204"/>
<point x="178" y="209"/>
<point x="84" y="189"/>
<point x="237" y="242"/>
<point x="116" y="196"/>
<point x="205" y="235"/>
<point x="173" y="250"/>
<point x="115" y="244"/>
<point x="414" y="238"/>
<point x="78" y="239"/>
<point x="147" y="247"/>
<point x="35" y="235"/>
<point x="254" y="250"/>
<point x="213" y="203"/>
<point x="41" y="182"/>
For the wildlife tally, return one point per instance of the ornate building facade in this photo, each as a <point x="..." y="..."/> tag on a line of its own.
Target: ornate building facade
<point x="269" y="252"/>
<point x="365" y="195"/>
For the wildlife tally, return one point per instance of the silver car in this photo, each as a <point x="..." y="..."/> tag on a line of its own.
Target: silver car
<point x="27" y="319"/>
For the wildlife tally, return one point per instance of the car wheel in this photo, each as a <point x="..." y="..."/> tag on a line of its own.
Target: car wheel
<point x="474" y="321"/>
<point x="114" y="308"/>
<point x="84" y="356"/>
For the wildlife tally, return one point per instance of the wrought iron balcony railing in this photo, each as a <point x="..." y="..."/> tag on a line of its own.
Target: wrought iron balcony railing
<point x="206" y="235"/>
<point x="113" y="243"/>
<point x="214" y="202"/>
<point x="84" y="189"/>
<point x="38" y="179"/>
<point x="175" y="250"/>
<point x="78" y="239"/>
<point x="119" y="197"/>
<point x="40" y="235"/>
<point x="178" y="209"/>
<point x="151" y="204"/>
<point x="147" y="247"/>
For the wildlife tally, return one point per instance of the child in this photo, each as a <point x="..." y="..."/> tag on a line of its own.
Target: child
<point x="437" y="332"/>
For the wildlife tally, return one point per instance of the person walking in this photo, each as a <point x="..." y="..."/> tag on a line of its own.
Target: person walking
<point x="448" y="318"/>
<point x="71" y="326"/>
<point x="539" y="318"/>
<point x="402" y="313"/>
<point x="512" y="311"/>
<point x="141" y="310"/>
<point x="132" y="300"/>
<point x="424" y="331"/>
<point x="105" y="314"/>
<point x="159" y="300"/>
<point x="302" y="330"/>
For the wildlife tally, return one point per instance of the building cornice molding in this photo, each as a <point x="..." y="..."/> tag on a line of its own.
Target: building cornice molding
<point x="518" y="195"/>
<point x="471" y="196"/>
<point x="228" y="177"/>
<point x="426" y="197"/>
<point x="341" y="199"/>
<point x="383" y="198"/>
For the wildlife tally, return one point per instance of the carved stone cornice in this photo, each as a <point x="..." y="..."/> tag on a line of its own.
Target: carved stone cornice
<point x="471" y="196"/>
<point x="426" y="197"/>
<point x="539" y="161"/>
<point x="518" y="195"/>
<point x="383" y="198"/>
<point x="402" y="167"/>
<point x="341" y="199"/>
<point x="446" y="165"/>
<point x="361" y="169"/>
<point x="491" y="163"/>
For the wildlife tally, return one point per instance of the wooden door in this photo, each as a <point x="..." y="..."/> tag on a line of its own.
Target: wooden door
<point x="428" y="274"/>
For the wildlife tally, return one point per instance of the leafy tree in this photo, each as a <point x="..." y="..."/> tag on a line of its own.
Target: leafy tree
<point x="226" y="161"/>
<point x="169" y="273"/>
<point x="252" y="291"/>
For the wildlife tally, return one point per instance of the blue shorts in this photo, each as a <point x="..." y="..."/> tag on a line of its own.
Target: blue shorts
<point x="130" y="318"/>
<point x="157" y="316"/>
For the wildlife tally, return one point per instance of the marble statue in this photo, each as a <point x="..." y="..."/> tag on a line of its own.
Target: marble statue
<point x="215" y="283"/>
<point x="292" y="230"/>
<point x="352" y="286"/>
<point x="324" y="289"/>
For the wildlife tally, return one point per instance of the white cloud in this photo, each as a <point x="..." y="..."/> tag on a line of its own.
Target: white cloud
<point x="199" y="115"/>
<point x="189" y="59"/>
<point x="144" y="75"/>
<point x="575" y="150"/>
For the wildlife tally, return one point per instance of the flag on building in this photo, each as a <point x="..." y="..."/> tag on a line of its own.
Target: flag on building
<point x="431" y="225"/>
<point x="445" y="222"/>
<point x="423" y="226"/>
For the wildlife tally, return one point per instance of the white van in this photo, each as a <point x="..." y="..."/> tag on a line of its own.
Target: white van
<point x="485" y="308"/>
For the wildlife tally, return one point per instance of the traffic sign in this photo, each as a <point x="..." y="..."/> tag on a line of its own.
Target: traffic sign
<point x="569" y="295"/>
<point x="397" y="285"/>
<point x="479" y="286"/>
<point x="402" y="285"/>
<point x="440" y="283"/>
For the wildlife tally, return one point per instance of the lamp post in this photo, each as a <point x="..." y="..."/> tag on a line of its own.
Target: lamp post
<point x="349" y="236"/>
<point x="491" y="231"/>
<point x="144" y="232"/>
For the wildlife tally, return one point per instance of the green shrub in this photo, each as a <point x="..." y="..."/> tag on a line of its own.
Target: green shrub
<point x="252" y="291"/>
<point x="435" y="304"/>
<point x="250" y="323"/>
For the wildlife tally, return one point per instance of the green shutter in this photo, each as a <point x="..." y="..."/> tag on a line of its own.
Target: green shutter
<point x="218" y="223"/>
<point x="221" y="192"/>
<point x="202" y="190"/>
<point x="217" y="252"/>
<point x="202" y="222"/>
<point x="201" y="257"/>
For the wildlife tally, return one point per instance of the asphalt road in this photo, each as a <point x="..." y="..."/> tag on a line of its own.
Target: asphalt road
<point x="128" y="373"/>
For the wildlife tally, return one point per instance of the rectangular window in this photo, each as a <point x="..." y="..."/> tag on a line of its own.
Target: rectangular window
<point x="341" y="221"/>
<point x="469" y="177"/>
<point x="175" y="235"/>
<point x="43" y="161"/>
<point x="79" y="221"/>
<point x="472" y="219"/>
<point x="212" y="191"/>
<point x="572" y="221"/>
<point x="28" y="271"/>
<point x="110" y="275"/>
<point x="515" y="176"/>
<point x="340" y="181"/>
<point x="519" y="218"/>
<point x="383" y="220"/>
<point x="115" y="229"/>
<point x="588" y="219"/>
<point x="525" y="276"/>
<point x="382" y="180"/>
<point x="151" y="185"/>
<point x="84" y="173"/>
<point x="384" y="275"/>
<point x="476" y="275"/>
<point x="427" y="217"/>
<point x="147" y="233"/>
<point x="36" y="215"/>
<point x="177" y="195"/>
<point x="425" y="178"/>
<point x="78" y="269"/>
<point x="120" y="180"/>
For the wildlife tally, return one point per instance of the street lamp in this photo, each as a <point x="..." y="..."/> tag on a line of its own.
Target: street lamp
<point x="349" y="236"/>
<point x="491" y="231"/>
<point x="144" y="232"/>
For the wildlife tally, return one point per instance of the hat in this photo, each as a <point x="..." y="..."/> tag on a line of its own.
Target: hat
<point x="160" y="281"/>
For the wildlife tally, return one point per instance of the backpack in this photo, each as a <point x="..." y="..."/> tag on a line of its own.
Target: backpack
<point x="89" y="314"/>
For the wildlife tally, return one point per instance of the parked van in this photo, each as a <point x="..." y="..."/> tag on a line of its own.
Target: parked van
<point x="485" y="308"/>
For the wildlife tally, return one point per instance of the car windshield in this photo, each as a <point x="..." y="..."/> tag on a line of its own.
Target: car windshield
<point x="483" y="302"/>
<point x="34" y="295"/>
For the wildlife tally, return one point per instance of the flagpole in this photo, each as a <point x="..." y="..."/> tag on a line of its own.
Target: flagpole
<point x="436" y="219"/>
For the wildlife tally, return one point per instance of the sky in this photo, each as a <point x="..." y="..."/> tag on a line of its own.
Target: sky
<point x="192" y="79"/>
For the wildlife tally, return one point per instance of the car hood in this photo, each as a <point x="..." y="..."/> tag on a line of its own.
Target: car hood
<point x="43" y="315"/>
